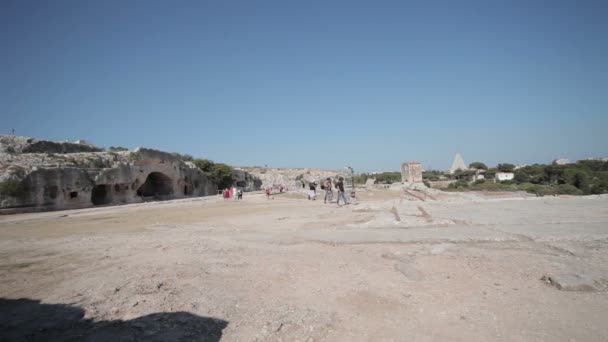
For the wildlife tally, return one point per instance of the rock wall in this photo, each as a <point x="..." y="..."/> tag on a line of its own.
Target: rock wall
<point x="246" y="181"/>
<point x="17" y="144"/>
<point x="291" y="178"/>
<point x="49" y="181"/>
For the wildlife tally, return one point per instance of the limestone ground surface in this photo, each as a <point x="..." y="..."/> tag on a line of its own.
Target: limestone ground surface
<point x="393" y="267"/>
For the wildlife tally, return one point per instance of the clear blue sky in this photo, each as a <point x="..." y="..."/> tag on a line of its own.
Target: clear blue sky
<point x="312" y="83"/>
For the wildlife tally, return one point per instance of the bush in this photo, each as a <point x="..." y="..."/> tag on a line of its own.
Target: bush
<point x="588" y="176"/>
<point x="568" y="189"/>
<point x="491" y="186"/>
<point x="460" y="185"/>
<point x="218" y="173"/>
<point x="490" y="173"/>
<point x="361" y="178"/>
<point x="432" y="175"/>
<point x="388" y="177"/>
<point x="204" y="164"/>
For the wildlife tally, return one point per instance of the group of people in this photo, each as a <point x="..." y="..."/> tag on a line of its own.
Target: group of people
<point x="329" y="193"/>
<point x="327" y="186"/>
<point x="232" y="192"/>
<point x="269" y="190"/>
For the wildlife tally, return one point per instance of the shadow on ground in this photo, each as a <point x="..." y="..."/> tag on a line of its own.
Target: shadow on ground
<point x="29" y="320"/>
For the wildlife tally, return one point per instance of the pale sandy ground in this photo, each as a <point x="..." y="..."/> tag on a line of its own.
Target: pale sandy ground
<point x="461" y="268"/>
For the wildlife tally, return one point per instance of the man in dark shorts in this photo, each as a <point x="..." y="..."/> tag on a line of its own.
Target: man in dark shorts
<point x="340" y="187"/>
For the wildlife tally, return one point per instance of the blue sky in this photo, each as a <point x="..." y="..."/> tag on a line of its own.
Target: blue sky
<point x="312" y="83"/>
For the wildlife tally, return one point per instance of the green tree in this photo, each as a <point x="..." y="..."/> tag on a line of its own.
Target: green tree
<point x="505" y="167"/>
<point x="490" y="173"/>
<point x="204" y="164"/>
<point x="463" y="174"/>
<point x="218" y="173"/>
<point x="580" y="180"/>
<point x="360" y="178"/>
<point x="388" y="177"/>
<point x="554" y="174"/>
<point x="530" y="174"/>
<point x="478" y="166"/>
<point x="221" y="174"/>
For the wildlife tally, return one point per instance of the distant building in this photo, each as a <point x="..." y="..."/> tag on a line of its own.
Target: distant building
<point x="561" y="161"/>
<point x="504" y="176"/>
<point x="458" y="164"/>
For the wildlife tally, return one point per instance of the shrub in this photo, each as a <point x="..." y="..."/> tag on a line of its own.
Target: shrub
<point x="218" y="173"/>
<point x="568" y="189"/>
<point x="460" y="185"/>
<point x="491" y="186"/>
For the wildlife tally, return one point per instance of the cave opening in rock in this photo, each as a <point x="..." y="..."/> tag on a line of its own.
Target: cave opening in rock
<point x="156" y="184"/>
<point x="101" y="194"/>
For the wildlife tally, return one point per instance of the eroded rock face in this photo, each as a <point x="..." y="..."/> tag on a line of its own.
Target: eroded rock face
<point x="50" y="181"/>
<point x="246" y="181"/>
<point x="291" y="178"/>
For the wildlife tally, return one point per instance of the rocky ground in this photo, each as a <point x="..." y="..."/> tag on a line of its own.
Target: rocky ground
<point x="394" y="267"/>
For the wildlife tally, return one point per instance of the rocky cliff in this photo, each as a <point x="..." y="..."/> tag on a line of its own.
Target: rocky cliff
<point x="47" y="175"/>
<point x="291" y="178"/>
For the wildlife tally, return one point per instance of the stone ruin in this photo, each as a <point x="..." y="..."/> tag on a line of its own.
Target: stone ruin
<point x="37" y="175"/>
<point x="411" y="172"/>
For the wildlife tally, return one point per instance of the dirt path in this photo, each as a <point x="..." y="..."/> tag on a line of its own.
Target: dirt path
<point x="290" y="269"/>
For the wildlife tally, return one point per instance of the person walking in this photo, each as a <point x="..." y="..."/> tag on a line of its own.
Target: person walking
<point x="312" y="194"/>
<point x="340" y="187"/>
<point x="329" y="193"/>
<point x="240" y="194"/>
<point x="267" y="192"/>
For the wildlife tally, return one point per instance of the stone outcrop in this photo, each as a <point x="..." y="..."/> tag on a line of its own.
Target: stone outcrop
<point x="17" y="144"/>
<point x="245" y="180"/>
<point x="40" y="175"/>
<point x="291" y="178"/>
